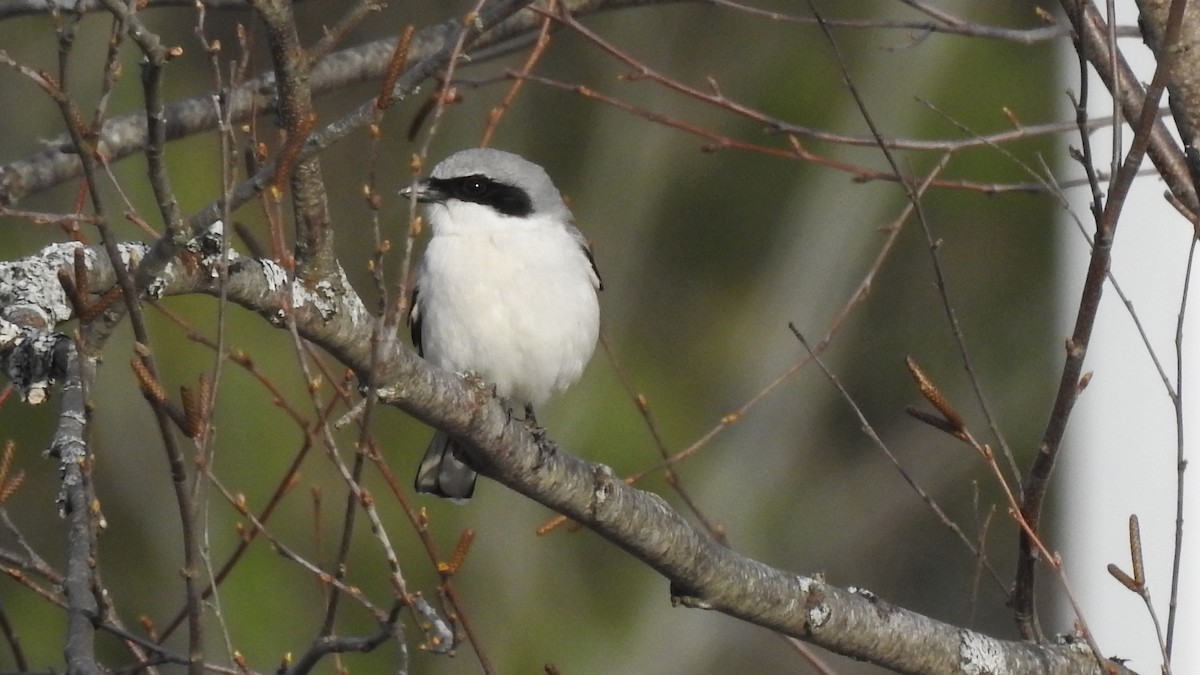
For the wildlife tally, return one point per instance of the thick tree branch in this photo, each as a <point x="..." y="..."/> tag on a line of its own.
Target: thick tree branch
<point x="1092" y="38"/>
<point x="314" y="237"/>
<point x="1183" y="81"/>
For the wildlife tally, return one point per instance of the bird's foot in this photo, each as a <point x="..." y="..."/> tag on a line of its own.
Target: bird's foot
<point x="546" y="446"/>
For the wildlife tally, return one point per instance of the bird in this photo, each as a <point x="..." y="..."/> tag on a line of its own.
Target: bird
<point x="506" y="292"/>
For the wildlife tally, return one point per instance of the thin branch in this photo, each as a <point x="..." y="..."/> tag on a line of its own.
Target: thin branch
<point x="873" y="436"/>
<point x="71" y="450"/>
<point x="1180" y="456"/>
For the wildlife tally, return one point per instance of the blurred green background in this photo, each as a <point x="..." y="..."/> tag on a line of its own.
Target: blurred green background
<point x="706" y="258"/>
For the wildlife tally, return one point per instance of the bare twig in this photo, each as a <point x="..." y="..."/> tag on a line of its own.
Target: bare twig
<point x="869" y="430"/>
<point x="72" y="453"/>
<point x="1180" y="459"/>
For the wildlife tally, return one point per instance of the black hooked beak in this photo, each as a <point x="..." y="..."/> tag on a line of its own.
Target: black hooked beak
<point x="424" y="192"/>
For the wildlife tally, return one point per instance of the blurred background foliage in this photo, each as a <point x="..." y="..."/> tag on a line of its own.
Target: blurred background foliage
<point x="706" y="258"/>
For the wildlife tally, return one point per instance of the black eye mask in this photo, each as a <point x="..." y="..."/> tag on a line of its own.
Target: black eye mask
<point x="506" y="199"/>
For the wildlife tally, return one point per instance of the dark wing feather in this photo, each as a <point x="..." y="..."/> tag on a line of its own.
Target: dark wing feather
<point x="587" y="250"/>
<point x="414" y="321"/>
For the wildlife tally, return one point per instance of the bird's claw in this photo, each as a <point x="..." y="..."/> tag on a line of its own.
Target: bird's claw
<point x="545" y="445"/>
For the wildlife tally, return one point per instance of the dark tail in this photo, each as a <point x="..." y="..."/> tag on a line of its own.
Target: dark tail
<point x="442" y="473"/>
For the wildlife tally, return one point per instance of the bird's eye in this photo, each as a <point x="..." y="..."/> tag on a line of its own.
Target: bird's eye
<point x="505" y="199"/>
<point x="475" y="186"/>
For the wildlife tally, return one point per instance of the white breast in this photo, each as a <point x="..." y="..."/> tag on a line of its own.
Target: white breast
<point x="514" y="303"/>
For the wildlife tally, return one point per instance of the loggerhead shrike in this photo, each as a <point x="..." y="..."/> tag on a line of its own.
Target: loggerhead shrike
<point x="506" y="291"/>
